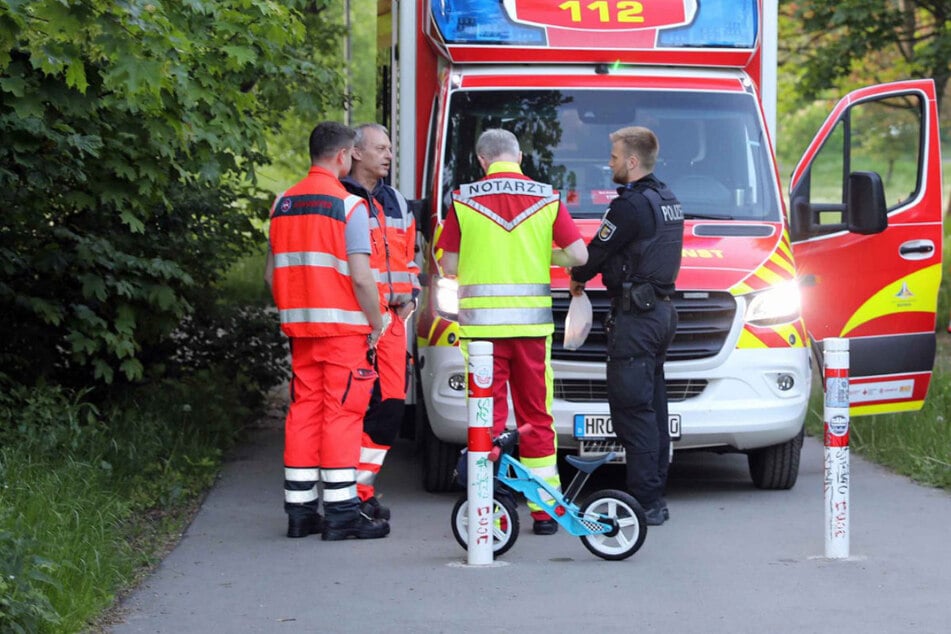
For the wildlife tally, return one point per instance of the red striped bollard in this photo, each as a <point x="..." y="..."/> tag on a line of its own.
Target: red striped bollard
<point x="836" y="441"/>
<point x="479" y="469"/>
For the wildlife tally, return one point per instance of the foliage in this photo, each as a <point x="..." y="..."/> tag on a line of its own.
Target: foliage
<point x="24" y="579"/>
<point x="132" y="133"/>
<point x="843" y="44"/>
<point x="89" y="482"/>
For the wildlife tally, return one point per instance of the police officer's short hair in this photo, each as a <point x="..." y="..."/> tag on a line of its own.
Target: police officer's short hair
<point x="362" y="129"/>
<point x="328" y="138"/>
<point x="640" y="142"/>
<point x="496" y="142"/>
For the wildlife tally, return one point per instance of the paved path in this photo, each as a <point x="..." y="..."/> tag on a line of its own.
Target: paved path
<point x="732" y="559"/>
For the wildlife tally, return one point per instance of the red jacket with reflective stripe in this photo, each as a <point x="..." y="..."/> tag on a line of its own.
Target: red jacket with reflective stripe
<point x="312" y="286"/>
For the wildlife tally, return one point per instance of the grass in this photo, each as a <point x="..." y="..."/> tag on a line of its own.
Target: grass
<point x="914" y="444"/>
<point x="92" y="499"/>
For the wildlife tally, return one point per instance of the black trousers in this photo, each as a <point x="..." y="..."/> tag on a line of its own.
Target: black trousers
<point x="637" y="345"/>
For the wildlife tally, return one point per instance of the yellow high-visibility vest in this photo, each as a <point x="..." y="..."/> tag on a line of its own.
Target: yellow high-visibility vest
<point x="504" y="272"/>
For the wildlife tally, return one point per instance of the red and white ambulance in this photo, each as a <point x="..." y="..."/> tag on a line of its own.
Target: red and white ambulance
<point x="857" y="254"/>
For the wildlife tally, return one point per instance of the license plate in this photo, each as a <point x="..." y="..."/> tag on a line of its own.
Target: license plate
<point x="599" y="426"/>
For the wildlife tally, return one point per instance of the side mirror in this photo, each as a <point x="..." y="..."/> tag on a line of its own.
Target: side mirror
<point x="800" y="219"/>
<point x="865" y="209"/>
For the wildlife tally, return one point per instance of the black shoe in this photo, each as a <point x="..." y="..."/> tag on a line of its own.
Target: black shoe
<point x="372" y="508"/>
<point x="654" y="514"/>
<point x="545" y="527"/>
<point x="665" y="511"/>
<point x="302" y="526"/>
<point x="362" y="528"/>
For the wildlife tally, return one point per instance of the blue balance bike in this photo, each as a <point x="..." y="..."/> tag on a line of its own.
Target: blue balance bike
<point x="610" y="523"/>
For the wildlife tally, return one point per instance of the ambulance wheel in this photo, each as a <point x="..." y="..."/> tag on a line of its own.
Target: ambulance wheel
<point x="438" y="458"/>
<point x="776" y="467"/>
<point x="626" y="517"/>
<point x="504" y="524"/>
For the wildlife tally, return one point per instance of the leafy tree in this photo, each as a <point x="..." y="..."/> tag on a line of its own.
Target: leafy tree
<point x="846" y="43"/>
<point x="132" y="132"/>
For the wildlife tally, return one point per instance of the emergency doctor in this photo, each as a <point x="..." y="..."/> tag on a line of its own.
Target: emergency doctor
<point x="637" y="251"/>
<point x="497" y="239"/>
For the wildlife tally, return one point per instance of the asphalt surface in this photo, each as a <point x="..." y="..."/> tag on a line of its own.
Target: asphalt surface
<point x="731" y="559"/>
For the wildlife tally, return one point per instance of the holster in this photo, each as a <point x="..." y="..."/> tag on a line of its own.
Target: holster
<point x="639" y="298"/>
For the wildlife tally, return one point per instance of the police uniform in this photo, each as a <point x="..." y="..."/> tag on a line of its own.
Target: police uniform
<point x="637" y="250"/>
<point x="393" y="232"/>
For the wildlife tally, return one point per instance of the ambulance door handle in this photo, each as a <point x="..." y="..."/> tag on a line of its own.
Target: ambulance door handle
<point x="916" y="249"/>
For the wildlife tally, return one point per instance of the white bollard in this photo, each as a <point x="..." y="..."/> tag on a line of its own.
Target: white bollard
<point x="836" y="440"/>
<point x="479" y="469"/>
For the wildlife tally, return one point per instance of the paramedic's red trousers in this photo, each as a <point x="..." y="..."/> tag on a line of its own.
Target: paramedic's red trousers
<point x="522" y="367"/>
<point x="330" y="389"/>
<point x="385" y="416"/>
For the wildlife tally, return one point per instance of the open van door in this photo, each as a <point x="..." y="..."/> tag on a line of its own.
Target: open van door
<point x="865" y="223"/>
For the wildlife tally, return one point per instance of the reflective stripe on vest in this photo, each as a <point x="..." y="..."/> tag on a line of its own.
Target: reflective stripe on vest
<point x="323" y="316"/>
<point x="504" y="290"/>
<point x="505" y="257"/>
<point x="312" y="286"/>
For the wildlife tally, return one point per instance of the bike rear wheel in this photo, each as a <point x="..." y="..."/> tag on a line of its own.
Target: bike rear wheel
<point x="629" y="526"/>
<point x="505" y="524"/>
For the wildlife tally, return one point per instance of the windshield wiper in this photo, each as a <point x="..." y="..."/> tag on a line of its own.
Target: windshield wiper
<point x="690" y="216"/>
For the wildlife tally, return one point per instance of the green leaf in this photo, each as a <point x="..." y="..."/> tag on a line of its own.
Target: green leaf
<point x="240" y="54"/>
<point x="93" y="286"/>
<point x="132" y="368"/>
<point x="132" y="221"/>
<point x="76" y="76"/>
<point x="101" y="370"/>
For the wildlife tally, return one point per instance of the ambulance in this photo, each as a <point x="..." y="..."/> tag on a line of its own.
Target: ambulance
<point x="855" y="253"/>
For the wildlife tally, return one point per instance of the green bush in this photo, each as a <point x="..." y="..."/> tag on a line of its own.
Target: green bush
<point x="25" y="579"/>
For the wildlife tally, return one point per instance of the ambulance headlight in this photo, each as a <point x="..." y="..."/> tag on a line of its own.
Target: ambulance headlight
<point x="447" y="298"/>
<point x="778" y="305"/>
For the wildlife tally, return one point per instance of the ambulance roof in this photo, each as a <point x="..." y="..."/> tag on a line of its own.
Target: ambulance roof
<point x="681" y="32"/>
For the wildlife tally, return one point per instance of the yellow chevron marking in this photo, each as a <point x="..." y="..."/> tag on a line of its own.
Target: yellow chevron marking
<point x="895" y="298"/>
<point x="748" y="340"/>
<point x="770" y="277"/>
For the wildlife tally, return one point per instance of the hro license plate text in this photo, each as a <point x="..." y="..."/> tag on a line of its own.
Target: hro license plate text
<point x="600" y="426"/>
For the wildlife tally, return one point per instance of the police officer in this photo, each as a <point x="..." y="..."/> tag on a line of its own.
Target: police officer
<point x="637" y="251"/>
<point x="498" y="238"/>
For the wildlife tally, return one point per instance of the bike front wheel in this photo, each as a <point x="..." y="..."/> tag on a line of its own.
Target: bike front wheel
<point x="504" y="524"/>
<point x="626" y="517"/>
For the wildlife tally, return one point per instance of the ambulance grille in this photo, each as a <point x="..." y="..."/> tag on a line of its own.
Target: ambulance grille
<point x="704" y="324"/>
<point x="588" y="391"/>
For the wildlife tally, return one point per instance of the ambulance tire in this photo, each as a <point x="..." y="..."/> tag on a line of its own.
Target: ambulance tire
<point x="776" y="467"/>
<point x="505" y="524"/>
<point x="437" y="458"/>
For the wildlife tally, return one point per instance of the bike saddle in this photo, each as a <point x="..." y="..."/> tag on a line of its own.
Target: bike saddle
<point x="589" y="464"/>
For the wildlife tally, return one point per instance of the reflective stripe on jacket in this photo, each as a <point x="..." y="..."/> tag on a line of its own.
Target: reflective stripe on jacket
<point x="312" y="286"/>
<point x="505" y="224"/>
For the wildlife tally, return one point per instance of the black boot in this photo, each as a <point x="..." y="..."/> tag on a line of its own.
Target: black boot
<point x="362" y="528"/>
<point x="304" y="525"/>
<point x="374" y="510"/>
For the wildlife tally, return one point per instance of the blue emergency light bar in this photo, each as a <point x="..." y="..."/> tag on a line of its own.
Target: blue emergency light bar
<point x="518" y="23"/>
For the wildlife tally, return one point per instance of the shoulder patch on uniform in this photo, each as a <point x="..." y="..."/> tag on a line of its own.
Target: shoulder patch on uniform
<point x="606" y="230"/>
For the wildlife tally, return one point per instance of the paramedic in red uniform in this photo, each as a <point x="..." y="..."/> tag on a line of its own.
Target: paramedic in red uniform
<point x="329" y="305"/>
<point x="393" y="225"/>
<point x="497" y="240"/>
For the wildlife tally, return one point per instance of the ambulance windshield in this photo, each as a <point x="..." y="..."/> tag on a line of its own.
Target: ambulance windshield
<point x="714" y="153"/>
